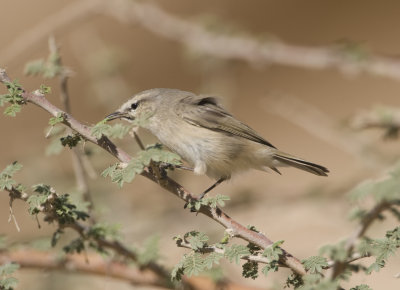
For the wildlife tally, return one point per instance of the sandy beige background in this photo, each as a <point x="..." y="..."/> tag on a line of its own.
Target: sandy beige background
<point x="112" y="60"/>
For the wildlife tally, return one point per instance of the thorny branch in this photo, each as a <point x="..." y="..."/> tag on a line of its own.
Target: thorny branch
<point x="145" y="274"/>
<point x="216" y="214"/>
<point x="48" y="209"/>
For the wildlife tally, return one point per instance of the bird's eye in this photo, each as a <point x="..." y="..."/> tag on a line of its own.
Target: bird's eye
<point x="134" y="105"/>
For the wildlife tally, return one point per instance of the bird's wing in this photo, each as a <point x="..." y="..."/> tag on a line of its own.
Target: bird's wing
<point x="204" y="111"/>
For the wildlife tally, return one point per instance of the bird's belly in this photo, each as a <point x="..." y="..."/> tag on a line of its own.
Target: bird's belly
<point x="212" y="153"/>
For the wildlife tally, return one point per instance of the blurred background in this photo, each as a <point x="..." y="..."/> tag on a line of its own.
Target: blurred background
<point x="298" y="99"/>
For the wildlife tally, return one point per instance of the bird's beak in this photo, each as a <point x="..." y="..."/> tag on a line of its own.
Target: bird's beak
<point x="116" y="115"/>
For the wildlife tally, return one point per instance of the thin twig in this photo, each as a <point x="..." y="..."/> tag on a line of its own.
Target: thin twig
<point x="353" y="258"/>
<point x="77" y="155"/>
<point x="167" y="183"/>
<point x="138" y="141"/>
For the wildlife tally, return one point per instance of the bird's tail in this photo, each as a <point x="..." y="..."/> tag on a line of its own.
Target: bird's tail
<point x="289" y="160"/>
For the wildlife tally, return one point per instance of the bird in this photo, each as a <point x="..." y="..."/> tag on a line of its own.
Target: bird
<point x="207" y="136"/>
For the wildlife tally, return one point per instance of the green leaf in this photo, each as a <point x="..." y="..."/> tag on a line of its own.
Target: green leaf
<point x="44" y="89"/>
<point x="109" y="170"/>
<point x="150" y="253"/>
<point x="7" y="183"/>
<point x="225" y="239"/>
<point x="235" y="252"/>
<point x="178" y="271"/>
<point x="335" y="252"/>
<point x="43" y="189"/>
<point x="104" y="231"/>
<point x="12" y="110"/>
<point x="118" y="131"/>
<point x="315" y="264"/>
<point x="273" y="266"/>
<point x="34" y="67"/>
<point x="8" y="283"/>
<point x="8" y="268"/>
<point x="35" y="201"/>
<point x="218" y="200"/>
<point x="54" y="148"/>
<point x="193" y="264"/>
<point x="365" y="247"/>
<point x="100" y="129"/>
<point x="157" y="154"/>
<point x="215" y="274"/>
<point x="387" y="189"/>
<point x="375" y="267"/>
<point x="197" y="240"/>
<point x="211" y="259"/>
<point x="14" y="93"/>
<point x="121" y="175"/>
<point x="11" y="169"/>
<point x="383" y="248"/>
<point x="314" y="282"/>
<point x="3" y="100"/>
<point x="128" y="173"/>
<point x="53" y="66"/>
<point x="273" y="252"/>
<point x="56" y="120"/>
<point x="14" y="98"/>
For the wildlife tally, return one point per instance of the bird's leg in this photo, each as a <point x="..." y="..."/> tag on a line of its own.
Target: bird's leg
<point x="165" y="165"/>
<point x="222" y="179"/>
<point x="184" y="167"/>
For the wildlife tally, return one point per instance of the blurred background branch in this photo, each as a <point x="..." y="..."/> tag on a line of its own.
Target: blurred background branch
<point x="347" y="58"/>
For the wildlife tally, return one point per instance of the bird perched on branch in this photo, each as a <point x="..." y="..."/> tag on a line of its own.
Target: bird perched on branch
<point x="203" y="133"/>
